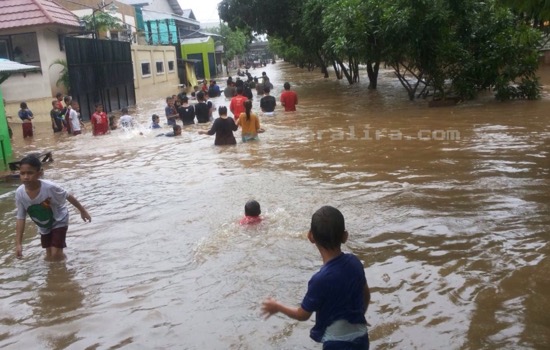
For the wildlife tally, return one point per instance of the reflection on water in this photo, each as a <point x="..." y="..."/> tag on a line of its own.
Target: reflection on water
<point x="447" y="208"/>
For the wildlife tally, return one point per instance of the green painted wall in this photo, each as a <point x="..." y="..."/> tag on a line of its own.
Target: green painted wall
<point x="5" y="143"/>
<point x="200" y="48"/>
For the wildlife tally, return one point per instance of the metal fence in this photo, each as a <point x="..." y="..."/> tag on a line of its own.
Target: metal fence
<point x="100" y="71"/>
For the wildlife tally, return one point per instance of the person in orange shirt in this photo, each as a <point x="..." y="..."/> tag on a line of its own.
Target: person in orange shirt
<point x="236" y="106"/>
<point x="249" y="123"/>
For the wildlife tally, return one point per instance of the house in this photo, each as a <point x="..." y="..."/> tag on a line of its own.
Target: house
<point x="203" y="50"/>
<point x="32" y="32"/>
<point x="166" y="23"/>
<point x="154" y="69"/>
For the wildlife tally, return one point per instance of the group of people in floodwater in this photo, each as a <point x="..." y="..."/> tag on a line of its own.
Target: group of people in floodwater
<point x="189" y="110"/>
<point x="338" y="293"/>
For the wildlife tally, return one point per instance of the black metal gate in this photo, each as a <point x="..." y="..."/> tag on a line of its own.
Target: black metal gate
<point x="100" y="71"/>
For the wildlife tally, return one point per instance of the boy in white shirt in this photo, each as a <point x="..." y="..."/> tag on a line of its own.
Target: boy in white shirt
<point x="45" y="202"/>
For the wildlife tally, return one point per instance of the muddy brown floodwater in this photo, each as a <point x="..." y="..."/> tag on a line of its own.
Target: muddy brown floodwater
<point x="448" y="208"/>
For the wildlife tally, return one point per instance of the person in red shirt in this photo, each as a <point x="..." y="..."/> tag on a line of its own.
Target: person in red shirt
<point x="252" y="213"/>
<point x="289" y="99"/>
<point x="236" y="106"/>
<point x="59" y="101"/>
<point x="100" y="122"/>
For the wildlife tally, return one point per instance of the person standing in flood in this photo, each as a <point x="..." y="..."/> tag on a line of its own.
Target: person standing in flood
<point x="170" y="111"/>
<point x="66" y="111"/>
<point x="45" y="203"/>
<point x="223" y="128"/>
<point x="268" y="103"/>
<point x="74" y="118"/>
<point x="100" y="123"/>
<point x="25" y="114"/>
<point x="186" y="112"/>
<point x="338" y="293"/>
<point x="56" y="118"/>
<point x="236" y="106"/>
<point x="289" y="98"/>
<point x="202" y="108"/>
<point x="249" y="123"/>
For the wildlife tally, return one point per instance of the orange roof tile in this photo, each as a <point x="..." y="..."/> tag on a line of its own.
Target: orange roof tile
<point x="25" y="13"/>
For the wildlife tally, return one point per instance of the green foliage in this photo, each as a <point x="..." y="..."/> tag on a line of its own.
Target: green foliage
<point x="532" y="10"/>
<point x="63" y="74"/>
<point x="101" y="21"/>
<point x="234" y="41"/>
<point x="437" y="48"/>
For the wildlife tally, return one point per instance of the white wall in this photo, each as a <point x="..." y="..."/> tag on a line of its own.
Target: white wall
<point x="37" y="89"/>
<point x="160" y="6"/>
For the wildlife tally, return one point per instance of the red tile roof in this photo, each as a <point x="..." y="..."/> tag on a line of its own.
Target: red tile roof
<point x="25" y="13"/>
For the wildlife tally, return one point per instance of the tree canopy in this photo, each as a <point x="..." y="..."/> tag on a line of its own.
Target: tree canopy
<point x="437" y="48"/>
<point x="234" y="42"/>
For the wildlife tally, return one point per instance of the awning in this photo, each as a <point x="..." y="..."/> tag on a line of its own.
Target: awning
<point x="8" y="67"/>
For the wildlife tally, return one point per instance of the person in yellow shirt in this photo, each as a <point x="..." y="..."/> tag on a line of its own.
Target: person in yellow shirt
<point x="249" y="123"/>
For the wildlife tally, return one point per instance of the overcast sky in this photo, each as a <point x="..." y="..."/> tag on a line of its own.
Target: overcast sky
<point x="204" y="10"/>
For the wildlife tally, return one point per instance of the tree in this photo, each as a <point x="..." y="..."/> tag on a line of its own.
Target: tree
<point x="101" y="21"/>
<point x="63" y="74"/>
<point x="234" y="42"/>
<point x="437" y="48"/>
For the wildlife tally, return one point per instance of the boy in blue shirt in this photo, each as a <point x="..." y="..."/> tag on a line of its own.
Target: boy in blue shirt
<point x="338" y="294"/>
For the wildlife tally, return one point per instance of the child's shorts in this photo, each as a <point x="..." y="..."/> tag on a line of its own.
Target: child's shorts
<point x="27" y="130"/>
<point x="56" y="238"/>
<point x="361" y="343"/>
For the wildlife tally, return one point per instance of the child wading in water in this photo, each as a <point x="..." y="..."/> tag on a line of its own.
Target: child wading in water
<point x="45" y="202"/>
<point x="26" y="116"/>
<point x="338" y="294"/>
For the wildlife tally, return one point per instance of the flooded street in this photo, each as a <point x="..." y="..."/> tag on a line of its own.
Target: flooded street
<point x="448" y="208"/>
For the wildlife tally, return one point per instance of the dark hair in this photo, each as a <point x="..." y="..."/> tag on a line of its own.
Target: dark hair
<point x="33" y="161"/>
<point x="154" y="116"/>
<point x="267" y="89"/>
<point x="240" y="90"/>
<point x="287" y="86"/>
<point x="168" y="98"/>
<point x="185" y="99"/>
<point x="176" y="127"/>
<point x="23" y="105"/>
<point x="252" y="208"/>
<point x="58" y="94"/>
<point x="200" y="95"/>
<point x="247" y="108"/>
<point x="328" y="227"/>
<point x="222" y="110"/>
<point x="124" y="110"/>
<point x="97" y="104"/>
<point x="67" y="99"/>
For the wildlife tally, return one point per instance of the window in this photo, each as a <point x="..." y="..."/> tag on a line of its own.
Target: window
<point x="171" y="66"/>
<point x="22" y="48"/>
<point x="145" y="69"/>
<point x="160" y="67"/>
